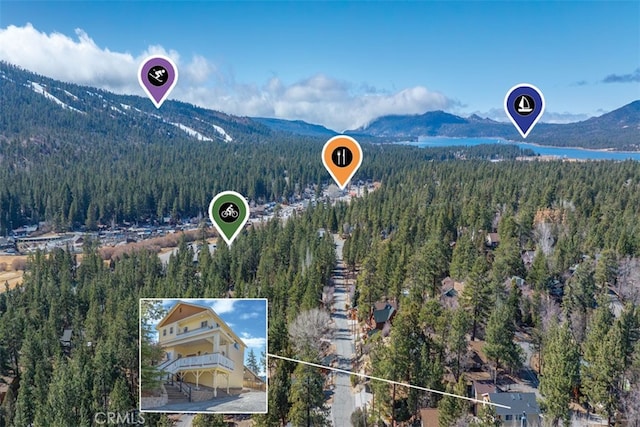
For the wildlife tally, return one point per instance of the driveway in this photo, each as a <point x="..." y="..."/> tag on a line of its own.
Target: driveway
<point x="244" y="403"/>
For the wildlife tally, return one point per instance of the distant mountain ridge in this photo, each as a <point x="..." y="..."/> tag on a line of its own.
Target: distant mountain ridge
<point x="48" y="104"/>
<point x="618" y="129"/>
<point x="298" y="127"/>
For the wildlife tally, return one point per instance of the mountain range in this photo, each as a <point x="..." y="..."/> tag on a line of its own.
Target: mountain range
<point x="618" y="129"/>
<point x="84" y="106"/>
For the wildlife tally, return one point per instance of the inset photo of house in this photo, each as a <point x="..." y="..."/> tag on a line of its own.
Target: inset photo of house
<point x="203" y="355"/>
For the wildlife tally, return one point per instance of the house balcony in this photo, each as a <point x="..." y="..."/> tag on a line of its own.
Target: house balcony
<point x="203" y="362"/>
<point x="180" y="335"/>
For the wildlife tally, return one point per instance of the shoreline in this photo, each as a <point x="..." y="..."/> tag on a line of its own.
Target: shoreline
<point x="500" y="140"/>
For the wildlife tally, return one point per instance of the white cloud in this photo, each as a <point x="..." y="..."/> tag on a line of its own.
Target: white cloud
<point x="253" y="342"/>
<point x="318" y="99"/>
<point x="222" y="306"/>
<point x="247" y="316"/>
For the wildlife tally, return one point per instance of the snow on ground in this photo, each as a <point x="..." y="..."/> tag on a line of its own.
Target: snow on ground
<point x="117" y="109"/>
<point x="75" y="98"/>
<point x="126" y="107"/>
<point x="224" y="135"/>
<point x="39" y="89"/>
<point x="5" y="77"/>
<point x="192" y="132"/>
<point x="222" y="132"/>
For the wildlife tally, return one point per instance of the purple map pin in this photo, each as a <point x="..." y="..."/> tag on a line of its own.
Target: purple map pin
<point x="524" y="104"/>
<point x="157" y="76"/>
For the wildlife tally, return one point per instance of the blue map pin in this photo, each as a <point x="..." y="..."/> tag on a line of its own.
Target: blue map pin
<point x="524" y="104"/>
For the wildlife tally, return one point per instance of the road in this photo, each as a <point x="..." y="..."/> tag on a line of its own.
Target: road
<point x="527" y="374"/>
<point x="343" y="399"/>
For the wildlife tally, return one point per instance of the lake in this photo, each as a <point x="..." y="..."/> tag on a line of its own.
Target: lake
<point x="560" y="152"/>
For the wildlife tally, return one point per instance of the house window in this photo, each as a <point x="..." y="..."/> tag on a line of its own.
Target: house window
<point x="164" y="332"/>
<point x="171" y="330"/>
<point x="203" y="324"/>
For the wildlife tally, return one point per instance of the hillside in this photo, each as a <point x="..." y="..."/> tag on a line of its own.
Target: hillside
<point x="45" y="104"/>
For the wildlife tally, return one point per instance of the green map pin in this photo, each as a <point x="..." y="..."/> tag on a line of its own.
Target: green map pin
<point x="229" y="212"/>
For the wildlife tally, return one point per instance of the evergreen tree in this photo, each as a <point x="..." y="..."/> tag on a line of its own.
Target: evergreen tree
<point x="476" y="294"/>
<point x="561" y="373"/>
<point x="500" y="340"/>
<point x="252" y="363"/>
<point x="307" y="398"/>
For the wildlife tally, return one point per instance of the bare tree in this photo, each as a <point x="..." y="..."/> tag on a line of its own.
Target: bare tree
<point x="327" y="295"/>
<point x="543" y="233"/>
<point x="550" y="311"/>
<point x="628" y="282"/>
<point x="631" y="405"/>
<point x="309" y="330"/>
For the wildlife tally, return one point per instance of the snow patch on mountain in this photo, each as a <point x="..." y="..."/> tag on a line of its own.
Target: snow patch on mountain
<point x="38" y="88"/>
<point x="126" y="107"/>
<point x="224" y="135"/>
<point x="69" y="94"/>
<point x="191" y="132"/>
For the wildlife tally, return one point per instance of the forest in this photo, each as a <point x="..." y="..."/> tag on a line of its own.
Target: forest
<point x="428" y="220"/>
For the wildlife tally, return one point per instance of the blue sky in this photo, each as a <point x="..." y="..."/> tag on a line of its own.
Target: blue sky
<point x="246" y="317"/>
<point x="341" y="64"/>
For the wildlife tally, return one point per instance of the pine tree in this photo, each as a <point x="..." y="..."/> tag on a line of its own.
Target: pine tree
<point x="603" y="358"/>
<point x="561" y="373"/>
<point x="252" y="362"/>
<point x="307" y="398"/>
<point x="206" y="420"/>
<point x="476" y="294"/>
<point x="452" y="408"/>
<point x="457" y="340"/>
<point x="500" y="344"/>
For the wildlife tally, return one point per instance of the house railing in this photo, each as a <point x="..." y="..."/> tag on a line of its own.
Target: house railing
<point x="200" y="329"/>
<point x="204" y="361"/>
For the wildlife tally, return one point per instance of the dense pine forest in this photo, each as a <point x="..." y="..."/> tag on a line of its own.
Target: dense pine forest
<point x="428" y="220"/>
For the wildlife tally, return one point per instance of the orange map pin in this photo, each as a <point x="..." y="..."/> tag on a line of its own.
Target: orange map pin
<point x="342" y="156"/>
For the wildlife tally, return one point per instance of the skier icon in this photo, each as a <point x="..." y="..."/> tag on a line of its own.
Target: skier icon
<point x="158" y="75"/>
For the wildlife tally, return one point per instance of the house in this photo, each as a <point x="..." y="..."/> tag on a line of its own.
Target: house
<point x="522" y="406"/>
<point x="201" y="349"/>
<point x="253" y="380"/>
<point x="480" y="390"/>
<point x="493" y="240"/>
<point x="381" y="314"/>
<point x="483" y="388"/>
<point x="451" y="292"/>
<point x="5" y="384"/>
<point x="429" y="417"/>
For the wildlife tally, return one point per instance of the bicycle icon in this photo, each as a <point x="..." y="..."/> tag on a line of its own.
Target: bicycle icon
<point x="229" y="212"/>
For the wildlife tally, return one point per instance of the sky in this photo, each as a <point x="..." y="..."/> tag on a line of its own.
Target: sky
<point x="246" y="317"/>
<point x="341" y="64"/>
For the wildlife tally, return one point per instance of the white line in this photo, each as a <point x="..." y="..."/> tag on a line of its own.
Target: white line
<point x="444" y="393"/>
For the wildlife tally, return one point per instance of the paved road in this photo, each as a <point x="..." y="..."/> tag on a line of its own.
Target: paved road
<point x="343" y="399"/>
<point x="245" y="403"/>
<point x="527" y="373"/>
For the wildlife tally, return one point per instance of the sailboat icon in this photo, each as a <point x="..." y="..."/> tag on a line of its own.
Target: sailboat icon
<point x="524" y="106"/>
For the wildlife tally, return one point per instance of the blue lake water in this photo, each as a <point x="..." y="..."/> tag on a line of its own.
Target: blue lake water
<point x="560" y="152"/>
